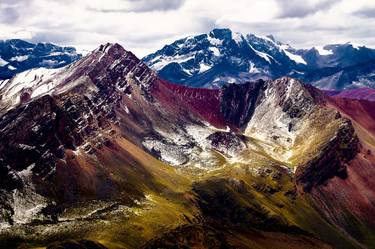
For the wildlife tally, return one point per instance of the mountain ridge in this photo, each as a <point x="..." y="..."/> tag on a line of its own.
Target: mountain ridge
<point x="223" y="56"/>
<point x="17" y="55"/>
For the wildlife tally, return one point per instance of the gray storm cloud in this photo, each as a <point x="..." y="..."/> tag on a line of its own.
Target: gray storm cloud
<point x="10" y="10"/>
<point x="367" y="12"/>
<point x="298" y="8"/>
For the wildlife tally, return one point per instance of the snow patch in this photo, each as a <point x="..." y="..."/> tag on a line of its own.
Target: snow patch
<point x="19" y="58"/>
<point x="160" y="62"/>
<point x="3" y="62"/>
<point x="322" y="51"/>
<point x="203" y="67"/>
<point x="10" y="67"/>
<point x="294" y="57"/>
<point x="253" y="68"/>
<point x="50" y="63"/>
<point x="232" y="80"/>
<point x="355" y="45"/>
<point x="237" y="37"/>
<point x="214" y="41"/>
<point x="215" y="51"/>
<point x="265" y="56"/>
<point x="126" y="109"/>
<point x="267" y="39"/>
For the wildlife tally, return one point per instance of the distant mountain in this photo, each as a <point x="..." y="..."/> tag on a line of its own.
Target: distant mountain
<point x="222" y="56"/>
<point x="17" y="56"/>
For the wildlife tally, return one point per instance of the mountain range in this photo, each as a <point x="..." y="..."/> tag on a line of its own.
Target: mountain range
<point x="223" y="56"/>
<point x="104" y="153"/>
<point x="17" y="56"/>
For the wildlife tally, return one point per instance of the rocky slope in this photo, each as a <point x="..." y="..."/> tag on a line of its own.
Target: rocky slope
<point x="104" y="150"/>
<point x="17" y="56"/>
<point x="223" y="56"/>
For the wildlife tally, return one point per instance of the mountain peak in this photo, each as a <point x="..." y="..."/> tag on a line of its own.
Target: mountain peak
<point x="223" y="33"/>
<point x="106" y="67"/>
<point x="222" y="56"/>
<point x="110" y="48"/>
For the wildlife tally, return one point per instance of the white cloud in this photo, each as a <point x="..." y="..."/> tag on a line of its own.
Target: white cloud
<point x="144" y="26"/>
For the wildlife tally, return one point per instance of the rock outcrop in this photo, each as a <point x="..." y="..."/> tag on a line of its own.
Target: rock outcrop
<point x="238" y="102"/>
<point x="331" y="160"/>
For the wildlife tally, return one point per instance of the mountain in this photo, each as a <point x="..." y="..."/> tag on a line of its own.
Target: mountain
<point x="105" y="154"/>
<point x="17" y="56"/>
<point x="221" y="56"/>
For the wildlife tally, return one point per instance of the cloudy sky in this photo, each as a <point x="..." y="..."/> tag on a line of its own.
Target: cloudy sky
<point x="143" y="26"/>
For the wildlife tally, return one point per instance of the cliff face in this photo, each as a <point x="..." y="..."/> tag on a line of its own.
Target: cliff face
<point x="332" y="159"/>
<point x="104" y="145"/>
<point x="238" y="102"/>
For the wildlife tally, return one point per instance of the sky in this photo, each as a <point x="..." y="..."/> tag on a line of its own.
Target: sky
<point x="143" y="26"/>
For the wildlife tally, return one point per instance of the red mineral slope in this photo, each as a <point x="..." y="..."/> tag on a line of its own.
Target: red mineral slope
<point x="203" y="102"/>
<point x="348" y="202"/>
<point x="360" y="93"/>
<point x="360" y="111"/>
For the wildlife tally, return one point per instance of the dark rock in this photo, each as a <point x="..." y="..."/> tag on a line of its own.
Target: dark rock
<point x="291" y="193"/>
<point x="331" y="160"/>
<point x="265" y="188"/>
<point x="9" y="178"/>
<point x="238" y="102"/>
<point x="227" y="143"/>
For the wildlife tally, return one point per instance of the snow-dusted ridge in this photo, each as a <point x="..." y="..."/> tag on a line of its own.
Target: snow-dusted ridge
<point x="17" y="56"/>
<point x="255" y="56"/>
<point x="242" y="58"/>
<point x="34" y="83"/>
